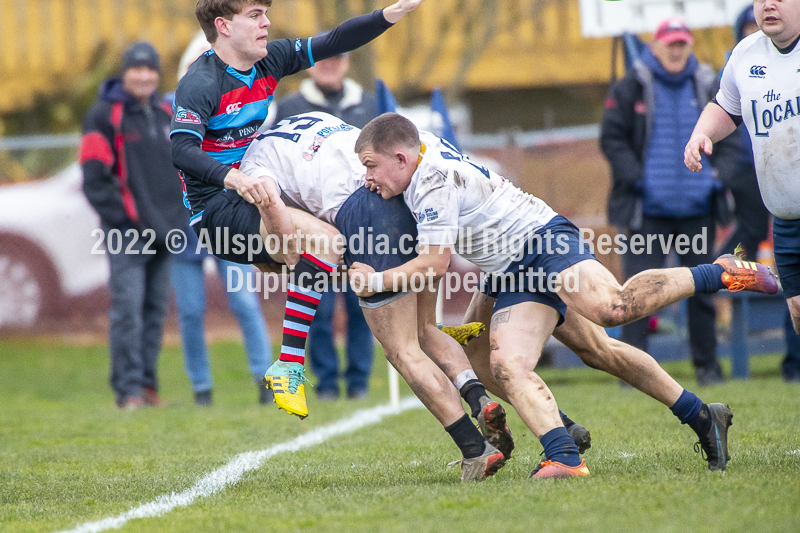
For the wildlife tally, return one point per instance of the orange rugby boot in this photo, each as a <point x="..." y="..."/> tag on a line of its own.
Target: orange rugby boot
<point x="554" y="469"/>
<point x="741" y="275"/>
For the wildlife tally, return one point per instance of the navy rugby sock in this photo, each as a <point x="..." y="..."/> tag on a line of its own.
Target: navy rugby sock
<point x="559" y="446"/>
<point x="707" y="278"/>
<point x="687" y="407"/>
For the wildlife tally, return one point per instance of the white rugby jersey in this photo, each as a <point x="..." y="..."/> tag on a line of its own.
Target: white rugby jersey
<point x="458" y="202"/>
<point x="763" y="86"/>
<point x="292" y="153"/>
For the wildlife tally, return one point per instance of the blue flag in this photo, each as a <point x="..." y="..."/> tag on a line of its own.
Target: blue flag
<point x="438" y="106"/>
<point x="633" y="49"/>
<point x="386" y="102"/>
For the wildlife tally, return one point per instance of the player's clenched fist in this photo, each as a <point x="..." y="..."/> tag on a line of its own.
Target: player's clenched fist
<point x="698" y="145"/>
<point x="260" y="190"/>
<point x="360" y="276"/>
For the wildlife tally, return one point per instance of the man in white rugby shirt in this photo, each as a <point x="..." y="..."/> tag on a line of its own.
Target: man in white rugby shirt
<point x="760" y="86"/>
<point x="462" y="207"/>
<point x="310" y="159"/>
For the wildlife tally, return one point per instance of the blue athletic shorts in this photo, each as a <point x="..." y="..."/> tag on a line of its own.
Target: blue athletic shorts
<point x="229" y="221"/>
<point x="522" y="278"/>
<point x="786" y="241"/>
<point x="379" y="233"/>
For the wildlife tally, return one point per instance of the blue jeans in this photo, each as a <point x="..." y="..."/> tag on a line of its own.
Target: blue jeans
<point x="322" y="352"/>
<point x="190" y="297"/>
<point x="139" y="285"/>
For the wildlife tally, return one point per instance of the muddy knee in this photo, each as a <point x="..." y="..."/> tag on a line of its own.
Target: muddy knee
<point x="501" y="373"/>
<point x="504" y="368"/>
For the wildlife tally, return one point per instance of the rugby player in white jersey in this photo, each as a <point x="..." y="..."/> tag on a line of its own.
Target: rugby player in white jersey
<point x="310" y="159"/>
<point x="760" y="86"/>
<point x="468" y="209"/>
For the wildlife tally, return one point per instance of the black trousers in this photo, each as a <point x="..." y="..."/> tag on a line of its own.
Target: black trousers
<point x="701" y="312"/>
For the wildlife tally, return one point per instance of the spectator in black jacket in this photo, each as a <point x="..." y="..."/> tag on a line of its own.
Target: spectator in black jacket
<point x="649" y="116"/>
<point x="330" y="91"/>
<point x="131" y="182"/>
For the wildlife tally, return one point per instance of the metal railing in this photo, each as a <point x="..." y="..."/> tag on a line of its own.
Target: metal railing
<point x="519" y="139"/>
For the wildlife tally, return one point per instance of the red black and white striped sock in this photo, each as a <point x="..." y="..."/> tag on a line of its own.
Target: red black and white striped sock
<point x="301" y="305"/>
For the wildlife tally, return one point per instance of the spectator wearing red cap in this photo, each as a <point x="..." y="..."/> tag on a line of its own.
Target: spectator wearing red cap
<point x="648" y="118"/>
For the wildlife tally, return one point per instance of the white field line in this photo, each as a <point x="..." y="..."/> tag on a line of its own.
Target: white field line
<point x="232" y="472"/>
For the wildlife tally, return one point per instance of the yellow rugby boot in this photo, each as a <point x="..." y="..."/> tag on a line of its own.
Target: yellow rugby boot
<point x="465" y="333"/>
<point x="287" y="381"/>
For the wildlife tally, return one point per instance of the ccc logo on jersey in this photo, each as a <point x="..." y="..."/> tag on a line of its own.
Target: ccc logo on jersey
<point x="233" y="109"/>
<point x="757" y="71"/>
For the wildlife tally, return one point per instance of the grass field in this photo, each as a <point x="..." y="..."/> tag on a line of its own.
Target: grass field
<point x="68" y="457"/>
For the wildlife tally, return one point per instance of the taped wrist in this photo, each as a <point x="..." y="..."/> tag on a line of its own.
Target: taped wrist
<point x="376" y="282"/>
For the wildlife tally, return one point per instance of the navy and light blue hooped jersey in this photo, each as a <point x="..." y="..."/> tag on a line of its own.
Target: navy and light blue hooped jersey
<point x="225" y="107"/>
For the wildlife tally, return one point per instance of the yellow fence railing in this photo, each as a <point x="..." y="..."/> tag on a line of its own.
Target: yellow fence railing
<point x="49" y="43"/>
<point x="457" y="44"/>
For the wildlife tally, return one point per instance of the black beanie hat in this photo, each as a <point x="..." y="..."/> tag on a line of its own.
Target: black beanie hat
<point x="139" y="54"/>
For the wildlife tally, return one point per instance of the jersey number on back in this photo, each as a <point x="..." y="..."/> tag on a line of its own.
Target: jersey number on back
<point x="284" y="128"/>
<point x="455" y="155"/>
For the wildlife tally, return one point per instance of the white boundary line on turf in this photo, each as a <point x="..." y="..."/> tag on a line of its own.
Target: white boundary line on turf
<point x="232" y="472"/>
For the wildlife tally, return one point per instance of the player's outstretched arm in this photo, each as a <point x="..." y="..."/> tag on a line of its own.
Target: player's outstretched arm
<point x="358" y="31"/>
<point x="396" y="11"/>
<point x="714" y="124"/>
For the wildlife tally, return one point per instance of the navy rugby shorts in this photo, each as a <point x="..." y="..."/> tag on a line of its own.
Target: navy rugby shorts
<point x="515" y="286"/>
<point x="228" y="216"/>
<point x="379" y="233"/>
<point x="786" y="242"/>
